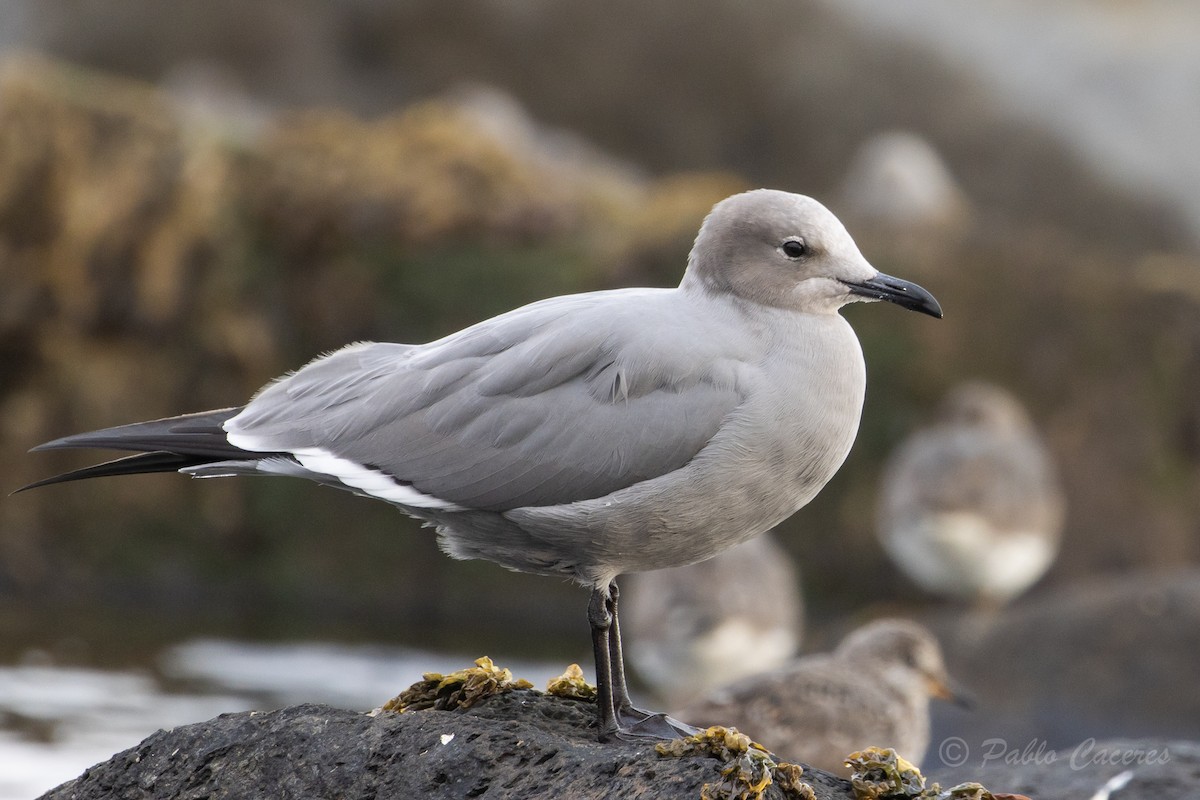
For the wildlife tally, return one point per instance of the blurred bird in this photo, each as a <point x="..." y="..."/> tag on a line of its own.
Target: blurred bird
<point x="874" y="689"/>
<point x="898" y="180"/>
<point x="697" y="627"/>
<point x="971" y="507"/>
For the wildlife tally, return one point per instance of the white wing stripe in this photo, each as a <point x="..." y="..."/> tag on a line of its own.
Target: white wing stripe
<point x="356" y="476"/>
<point x="370" y="481"/>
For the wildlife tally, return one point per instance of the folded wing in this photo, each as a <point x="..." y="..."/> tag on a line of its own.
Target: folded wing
<point x="551" y="404"/>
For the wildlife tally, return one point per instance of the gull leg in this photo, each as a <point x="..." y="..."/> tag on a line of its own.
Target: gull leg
<point x="600" y="619"/>
<point x="616" y="659"/>
<point x="628" y="721"/>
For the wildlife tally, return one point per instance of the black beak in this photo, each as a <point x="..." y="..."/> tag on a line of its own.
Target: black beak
<point x="903" y="293"/>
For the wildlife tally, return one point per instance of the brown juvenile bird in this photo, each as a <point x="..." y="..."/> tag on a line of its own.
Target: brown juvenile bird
<point x="874" y="689"/>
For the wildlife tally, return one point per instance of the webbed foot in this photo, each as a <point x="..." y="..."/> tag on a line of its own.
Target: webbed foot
<point x="635" y="725"/>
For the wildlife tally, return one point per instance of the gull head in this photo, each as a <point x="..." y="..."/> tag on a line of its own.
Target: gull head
<point x="788" y="251"/>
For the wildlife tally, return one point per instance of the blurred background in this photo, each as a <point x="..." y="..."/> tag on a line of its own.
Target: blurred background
<point x="195" y="198"/>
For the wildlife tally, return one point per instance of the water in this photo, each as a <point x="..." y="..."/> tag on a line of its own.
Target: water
<point x="57" y="720"/>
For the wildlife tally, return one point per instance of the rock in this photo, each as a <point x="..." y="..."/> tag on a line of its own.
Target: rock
<point x="1120" y="769"/>
<point x="1103" y="658"/>
<point x="515" y="745"/>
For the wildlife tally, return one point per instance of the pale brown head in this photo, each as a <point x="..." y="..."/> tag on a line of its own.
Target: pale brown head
<point x="900" y="647"/>
<point x="789" y="251"/>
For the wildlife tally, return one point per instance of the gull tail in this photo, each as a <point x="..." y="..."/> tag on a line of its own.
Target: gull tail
<point x="161" y="445"/>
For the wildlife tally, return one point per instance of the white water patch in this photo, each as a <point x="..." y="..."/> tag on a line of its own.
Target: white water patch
<point x="358" y="676"/>
<point x="82" y="717"/>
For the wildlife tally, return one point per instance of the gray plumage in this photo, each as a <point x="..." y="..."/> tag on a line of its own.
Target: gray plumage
<point x="691" y="629"/>
<point x="873" y="690"/>
<point x="590" y="435"/>
<point x="970" y="506"/>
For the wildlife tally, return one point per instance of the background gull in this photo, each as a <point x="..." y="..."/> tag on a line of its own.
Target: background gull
<point x="970" y="507"/>
<point x="874" y="689"/>
<point x="694" y="628"/>
<point x="589" y="435"/>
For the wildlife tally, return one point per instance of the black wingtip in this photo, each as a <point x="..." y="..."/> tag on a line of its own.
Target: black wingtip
<point x="199" y="433"/>
<point x="137" y="464"/>
<point x="37" y="484"/>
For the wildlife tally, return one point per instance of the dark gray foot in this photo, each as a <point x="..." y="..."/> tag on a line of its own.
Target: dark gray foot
<point x="635" y="725"/>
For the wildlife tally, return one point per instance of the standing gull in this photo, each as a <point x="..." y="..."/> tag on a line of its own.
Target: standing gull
<point x="970" y="507"/>
<point x="589" y="435"/>
<point x="874" y="689"/>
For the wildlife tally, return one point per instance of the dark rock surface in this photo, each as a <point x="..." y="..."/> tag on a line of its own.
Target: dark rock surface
<point x="1129" y="769"/>
<point x="1102" y="659"/>
<point x="516" y="745"/>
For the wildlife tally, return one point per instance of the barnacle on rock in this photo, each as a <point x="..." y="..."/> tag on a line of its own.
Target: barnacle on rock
<point x="789" y="778"/>
<point x="461" y="689"/>
<point x="572" y="686"/>
<point x="747" y="767"/>
<point x="880" y="773"/>
<point x="966" y="791"/>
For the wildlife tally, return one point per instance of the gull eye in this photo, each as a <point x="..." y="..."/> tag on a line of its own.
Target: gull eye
<point x="794" y="248"/>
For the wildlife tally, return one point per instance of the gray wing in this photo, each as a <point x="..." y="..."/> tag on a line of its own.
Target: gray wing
<point x="564" y="400"/>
